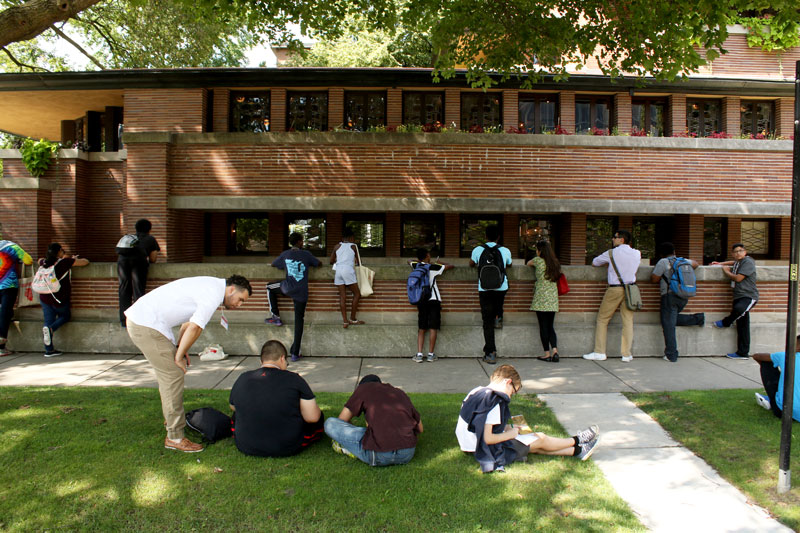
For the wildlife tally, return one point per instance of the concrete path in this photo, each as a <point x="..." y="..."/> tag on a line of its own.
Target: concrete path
<point x="668" y="487"/>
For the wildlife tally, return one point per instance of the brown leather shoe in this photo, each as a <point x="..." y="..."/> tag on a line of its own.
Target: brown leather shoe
<point x="185" y="445"/>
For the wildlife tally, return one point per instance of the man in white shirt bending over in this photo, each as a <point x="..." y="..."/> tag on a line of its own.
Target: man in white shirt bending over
<point x="188" y="303"/>
<point x="627" y="260"/>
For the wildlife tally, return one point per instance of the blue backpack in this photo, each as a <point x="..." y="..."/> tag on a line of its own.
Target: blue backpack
<point x="419" y="285"/>
<point x="683" y="281"/>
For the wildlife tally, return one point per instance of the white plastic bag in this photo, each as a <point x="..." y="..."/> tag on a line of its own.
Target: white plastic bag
<point x="213" y="352"/>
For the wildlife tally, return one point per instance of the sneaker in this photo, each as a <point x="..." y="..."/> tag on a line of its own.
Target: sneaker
<point x="47" y="336"/>
<point x="587" y="449"/>
<point x="718" y="324"/>
<point x="736" y="356"/>
<point x="418" y="358"/>
<point x="185" y="445"/>
<point x="490" y="358"/>
<point x="588" y="434"/>
<point x="667" y="359"/>
<point x="627" y="358"/>
<point x="338" y="449"/>
<point x="295" y="358"/>
<point x="498" y="323"/>
<point x="4" y="352"/>
<point x="595" y="356"/>
<point x="432" y="357"/>
<point x="54" y="353"/>
<point x="763" y="401"/>
<point x="273" y="321"/>
<point x="702" y="317"/>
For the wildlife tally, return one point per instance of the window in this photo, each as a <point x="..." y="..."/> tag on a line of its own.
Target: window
<point x="649" y="232"/>
<point x="423" y="108"/>
<point x="363" y="110"/>
<point x="592" y="114"/>
<point x="714" y="245"/>
<point x="647" y="117"/>
<point x="423" y="231"/>
<point x="249" y="234"/>
<point x="312" y="228"/>
<point x="473" y="231"/>
<point x="538" y="113"/>
<point x="533" y="229"/>
<point x="757" y="118"/>
<point x="249" y="111"/>
<point x="703" y="117"/>
<point x="599" y="231"/>
<point x="481" y="111"/>
<point x="755" y="237"/>
<point x="368" y="231"/>
<point x="307" y="111"/>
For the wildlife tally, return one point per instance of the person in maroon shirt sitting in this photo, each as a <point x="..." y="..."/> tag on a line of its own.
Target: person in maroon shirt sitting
<point x="393" y="424"/>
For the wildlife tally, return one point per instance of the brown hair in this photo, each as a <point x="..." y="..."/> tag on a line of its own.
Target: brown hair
<point x="552" y="269"/>
<point x="272" y="351"/>
<point x="507" y="372"/>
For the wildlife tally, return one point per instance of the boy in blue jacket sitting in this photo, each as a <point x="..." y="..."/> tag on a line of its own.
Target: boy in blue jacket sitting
<point x="483" y="431"/>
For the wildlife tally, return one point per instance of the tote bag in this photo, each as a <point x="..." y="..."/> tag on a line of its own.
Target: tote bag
<point x="27" y="297"/>
<point x="365" y="276"/>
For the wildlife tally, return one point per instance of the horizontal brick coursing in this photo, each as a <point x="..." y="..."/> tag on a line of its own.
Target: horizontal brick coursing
<point x="480" y="172"/>
<point x="176" y="110"/>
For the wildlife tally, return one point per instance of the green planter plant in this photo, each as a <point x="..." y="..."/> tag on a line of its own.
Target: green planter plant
<point x="36" y="155"/>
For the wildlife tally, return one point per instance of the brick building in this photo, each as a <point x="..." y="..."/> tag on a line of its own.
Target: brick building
<point x="226" y="162"/>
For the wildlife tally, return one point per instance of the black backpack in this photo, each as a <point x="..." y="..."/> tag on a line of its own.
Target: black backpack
<point x="491" y="268"/>
<point x="213" y="425"/>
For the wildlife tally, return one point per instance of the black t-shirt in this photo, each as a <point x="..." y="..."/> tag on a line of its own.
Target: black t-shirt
<point x="268" y="422"/>
<point x="147" y="244"/>
<point x="296" y="262"/>
<point x="64" y="294"/>
<point x="390" y="415"/>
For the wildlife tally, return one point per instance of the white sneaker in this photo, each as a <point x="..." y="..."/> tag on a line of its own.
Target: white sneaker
<point x="594" y="356"/>
<point x="763" y="401"/>
<point x="627" y="358"/>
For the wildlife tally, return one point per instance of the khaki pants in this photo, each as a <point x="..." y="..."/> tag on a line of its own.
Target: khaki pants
<point x="612" y="299"/>
<point x="160" y="352"/>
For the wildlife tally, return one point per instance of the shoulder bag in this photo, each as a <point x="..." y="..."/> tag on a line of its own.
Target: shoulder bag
<point x="365" y="276"/>
<point x="633" y="298"/>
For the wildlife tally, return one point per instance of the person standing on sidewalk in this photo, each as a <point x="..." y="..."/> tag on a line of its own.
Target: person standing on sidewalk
<point x="345" y="258"/>
<point x="295" y="261"/>
<point x="11" y="254"/>
<point x="546" y="270"/>
<point x="672" y="304"/>
<point x="188" y="303"/>
<point x="627" y="260"/>
<point x="133" y="263"/>
<point x="492" y="261"/>
<point x="56" y="306"/>
<point x="742" y="272"/>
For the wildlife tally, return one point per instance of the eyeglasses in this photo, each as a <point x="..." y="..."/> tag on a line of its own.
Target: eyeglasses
<point x="514" y="388"/>
<point x="739" y="251"/>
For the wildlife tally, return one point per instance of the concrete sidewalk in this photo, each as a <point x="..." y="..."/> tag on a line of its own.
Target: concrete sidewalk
<point x="668" y="487"/>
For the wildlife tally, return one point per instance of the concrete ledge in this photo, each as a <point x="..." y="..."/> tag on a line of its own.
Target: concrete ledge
<point x="28" y="183"/>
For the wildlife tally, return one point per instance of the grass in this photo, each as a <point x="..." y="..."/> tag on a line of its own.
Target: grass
<point x="736" y="437"/>
<point x="92" y="459"/>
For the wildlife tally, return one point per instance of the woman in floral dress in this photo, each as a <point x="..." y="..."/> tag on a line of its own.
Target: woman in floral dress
<point x="546" y="270"/>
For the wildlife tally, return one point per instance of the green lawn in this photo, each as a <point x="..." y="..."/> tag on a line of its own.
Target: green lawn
<point x="93" y="459"/>
<point x="736" y="437"/>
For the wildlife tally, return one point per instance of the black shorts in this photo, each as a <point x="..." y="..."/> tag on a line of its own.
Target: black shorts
<point x="430" y="315"/>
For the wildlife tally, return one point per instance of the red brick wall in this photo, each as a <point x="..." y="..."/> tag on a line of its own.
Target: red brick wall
<point x="334" y="226"/>
<point x="452" y="234"/>
<point x="676" y="114"/>
<point x="468" y="171"/>
<point x="452" y="108"/>
<point x="222" y="108"/>
<point x="734" y="234"/>
<point x="335" y="107"/>
<point x="622" y="112"/>
<point x="25" y="219"/>
<point x="688" y="239"/>
<point x="392" y="232"/>
<point x="510" y="109"/>
<point x="782" y="238"/>
<point x="457" y="296"/>
<point x="731" y="115"/>
<point x="277" y="111"/>
<point x="566" y="102"/>
<point x="175" y="110"/>
<point x="218" y="233"/>
<point x="784" y="117"/>
<point x="147" y="192"/>
<point x="65" y="214"/>
<point x="278" y="240"/>
<point x="511" y="233"/>
<point x="185" y="227"/>
<point x="753" y="61"/>
<point x="572" y="239"/>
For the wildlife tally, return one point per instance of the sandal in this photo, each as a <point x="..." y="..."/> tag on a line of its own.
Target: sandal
<point x="551" y="359"/>
<point x="345" y="324"/>
<point x="356" y="322"/>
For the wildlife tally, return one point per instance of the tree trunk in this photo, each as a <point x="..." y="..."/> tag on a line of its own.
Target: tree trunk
<point x="26" y="21"/>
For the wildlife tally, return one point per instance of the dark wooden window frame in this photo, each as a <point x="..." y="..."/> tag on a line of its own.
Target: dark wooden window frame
<point x="232" y="126"/>
<point x="482" y="96"/>
<point x="230" y="246"/>
<point x="465" y="218"/>
<point x="368" y="217"/>
<point x="754" y="124"/>
<point x="537" y="110"/>
<point x="366" y="95"/>
<point x="647" y="102"/>
<point x="421" y="118"/>
<point x="435" y="218"/>
<point x="692" y="101"/>
<point x="289" y="217"/>
<point x="593" y="100"/>
<point x="291" y="94"/>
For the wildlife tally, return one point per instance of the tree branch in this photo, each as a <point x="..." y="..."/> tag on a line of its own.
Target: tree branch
<point x="20" y="64"/>
<point x="26" y="21"/>
<point x="77" y="46"/>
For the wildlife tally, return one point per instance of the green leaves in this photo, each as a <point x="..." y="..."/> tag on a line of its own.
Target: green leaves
<point x="36" y="155"/>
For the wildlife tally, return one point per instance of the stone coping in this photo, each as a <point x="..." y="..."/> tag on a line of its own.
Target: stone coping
<point x="398" y="271"/>
<point x="72" y="153"/>
<point x="504" y="139"/>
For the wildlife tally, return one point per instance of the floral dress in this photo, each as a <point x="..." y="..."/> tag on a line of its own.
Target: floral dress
<point x="545" y="292"/>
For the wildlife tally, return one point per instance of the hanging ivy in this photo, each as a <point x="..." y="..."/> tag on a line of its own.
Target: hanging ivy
<point x="771" y="34"/>
<point x="36" y="155"/>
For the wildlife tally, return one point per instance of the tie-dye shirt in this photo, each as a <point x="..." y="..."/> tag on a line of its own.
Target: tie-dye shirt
<point x="10" y="254"/>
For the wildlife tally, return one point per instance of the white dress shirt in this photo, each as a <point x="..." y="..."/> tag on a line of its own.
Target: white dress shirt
<point x="627" y="260"/>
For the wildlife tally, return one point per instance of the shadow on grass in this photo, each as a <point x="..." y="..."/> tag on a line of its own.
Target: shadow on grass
<point x="91" y="459"/>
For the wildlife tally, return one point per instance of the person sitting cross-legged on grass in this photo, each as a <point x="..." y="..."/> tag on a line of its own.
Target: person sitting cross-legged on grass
<point x="772" y="366"/>
<point x="275" y="414"/>
<point x="483" y="431"/>
<point x="393" y="424"/>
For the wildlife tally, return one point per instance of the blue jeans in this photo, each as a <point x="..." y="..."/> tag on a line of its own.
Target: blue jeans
<point x="54" y="318"/>
<point x="349" y="436"/>
<point x="7" y="299"/>
<point x="671" y="307"/>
